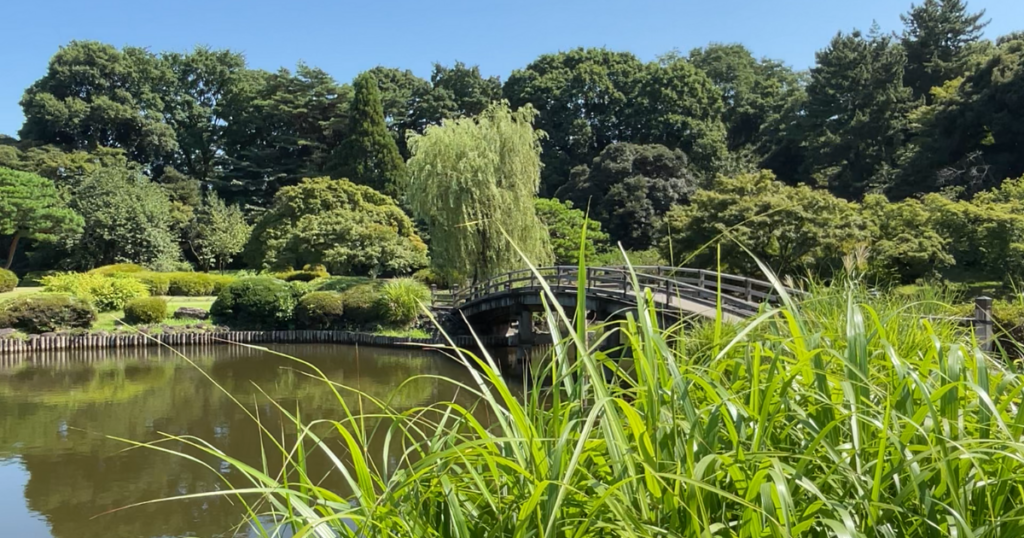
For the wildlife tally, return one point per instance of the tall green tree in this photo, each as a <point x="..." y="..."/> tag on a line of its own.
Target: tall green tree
<point x="938" y="36"/>
<point x="565" y="226"/>
<point x="473" y="181"/>
<point x="217" y="233"/>
<point x="32" y="208"/>
<point x="629" y="188"/>
<point x="369" y="156"/>
<point x="94" y="95"/>
<point x="856" y="117"/>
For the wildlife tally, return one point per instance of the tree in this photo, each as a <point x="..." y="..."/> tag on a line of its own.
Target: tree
<point x="629" y="188"/>
<point x="794" y="230"/>
<point x="904" y="244"/>
<point x="565" y="227"/>
<point x="473" y="181"/>
<point x="94" y="95"/>
<point x="369" y="156"/>
<point x="127" y="219"/>
<point x="32" y="208"/>
<point x="856" y="114"/>
<point x="937" y="38"/>
<point x="217" y="233"/>
<point x="349" y="228"/>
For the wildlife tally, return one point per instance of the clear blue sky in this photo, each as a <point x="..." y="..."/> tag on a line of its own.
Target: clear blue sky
<point x="345" y="37"/>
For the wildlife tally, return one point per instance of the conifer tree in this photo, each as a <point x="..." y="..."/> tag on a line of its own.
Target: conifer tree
<point x="370" y="155"/>
<point x="937" y="37"/>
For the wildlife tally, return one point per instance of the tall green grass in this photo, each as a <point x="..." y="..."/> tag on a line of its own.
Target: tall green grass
<point x="847" y="414"/>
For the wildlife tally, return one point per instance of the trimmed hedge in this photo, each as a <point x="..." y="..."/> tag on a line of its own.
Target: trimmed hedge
<point x="145" y="311"/>
<point x="157" y="283"/>
<point x="8" y="280"/>
<point x="254" y="303"/>
<point x="364" y="305"/>
<point x="107" y="293"/>
<point x="320" y="310"/>
<point x="118" y="268"/>
<point x="45" y="312"/>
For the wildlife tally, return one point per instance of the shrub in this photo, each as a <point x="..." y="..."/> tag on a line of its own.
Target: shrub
<point x="364" y="305"/>
<point x="190" y="284"/>
<point x="145" y="310"/>
<point x="46" y="312"/>
<point x="8" y="280"/>
<point x="320" y="310"/>
<point x="340" y="283"/>
<point x="402" y="299"/>
<point x="35" y="278"/>
<point x="106" y="293"/>
<point x="157" y="283"/>
<point x="254" y="303"/>
<point x="429" y="278"/>
<point x="300" y="288"/>
<point x="117" y="268"/>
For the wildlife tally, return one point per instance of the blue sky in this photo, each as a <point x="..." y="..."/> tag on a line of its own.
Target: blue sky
<point x="346" y="37"/>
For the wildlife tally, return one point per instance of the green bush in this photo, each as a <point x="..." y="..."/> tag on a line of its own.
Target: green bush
<point x="320" y="310"/>
<point x="106" y="293"/>
<point x="429" y="278"/>
<point x="145" y="310"/>
<point x="364" y="305"/>
<point x="118" y="268"/>
<point x="254" y="303"/>
<point x="45" y="312"/>
<point x="8" y="280"/>
<point x="300" y="288"/>
<point x="157" y="283"/>
<point x="340" y="283"/>
<point x="35" y="278"/>
<point x="401" y="301"/>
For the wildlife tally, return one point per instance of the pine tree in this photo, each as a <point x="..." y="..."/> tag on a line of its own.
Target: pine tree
<point x="937" y="38"/>
<point x="369" y="156"/>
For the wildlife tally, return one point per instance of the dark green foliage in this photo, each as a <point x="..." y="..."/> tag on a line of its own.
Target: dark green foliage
<point x="938" y="38"/>
<point x="320" y="310"/>
<point x="856" y="117"/>
<point x="369" y="156"/>
<point x="904" y="244"/>
<point x="145" y="311"/>
<point x="32" y="208"/>
<point x="305" y="276"/>
<point x="350" y="229"/>
<point x="45" y="312"/>
<point x="428" y="277"/>
<point x="341" y="283"/>
<point x="364" y="305"/>
<point x="565" y="225"/>
<point x="629" y="188"/>
<point x="35" y="278"/>
<point x="254" y="303"/>
<point x="195" y="284"/>
<point x="8" y="280"/>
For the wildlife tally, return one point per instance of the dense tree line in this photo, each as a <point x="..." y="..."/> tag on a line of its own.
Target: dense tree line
<point x="197" y="135"/>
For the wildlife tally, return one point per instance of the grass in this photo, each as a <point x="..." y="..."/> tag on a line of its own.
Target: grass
<point x="19" y="292"/>
<point x="403" y="333"/>
<point x="848" y="415"/>
<point x="109" y="321"/>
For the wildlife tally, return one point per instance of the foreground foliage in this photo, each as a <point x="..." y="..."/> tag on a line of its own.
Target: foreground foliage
<point x="845" y="415"/>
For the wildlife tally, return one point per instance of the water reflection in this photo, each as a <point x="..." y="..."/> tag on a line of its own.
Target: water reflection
<point x="55" y="414"/>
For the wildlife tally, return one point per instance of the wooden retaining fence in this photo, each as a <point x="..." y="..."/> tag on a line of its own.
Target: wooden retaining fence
<point x="96" y="341"/>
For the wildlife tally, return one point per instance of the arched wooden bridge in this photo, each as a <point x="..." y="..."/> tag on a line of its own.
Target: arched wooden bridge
<point x="676" y="291"/>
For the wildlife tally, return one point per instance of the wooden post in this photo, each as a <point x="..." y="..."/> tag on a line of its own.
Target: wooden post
<point x="749" y="291"/>
<point x="983" y="329"/>
<point x="433" y="295"/>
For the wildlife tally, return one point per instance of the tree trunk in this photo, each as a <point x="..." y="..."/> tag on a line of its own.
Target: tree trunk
<point x="14" y="247"/>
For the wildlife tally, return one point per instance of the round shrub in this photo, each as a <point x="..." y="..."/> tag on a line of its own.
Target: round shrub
<point x="8" y="280"/>
<point x="190" y="285"/>
<point x="145" y="311"/>
<point x="220" y="282"/>
<point x="429" y="277"/>
<point x="305" y="276"/>
<point x="106" y="293"/>
<point x="363" y="305"/>
<point x="46" y="312"/>
<point x="254" y="303"/>
<point x="402" y="300"/>
<point x="117" y="268"/>
<point x="320" y="310"/>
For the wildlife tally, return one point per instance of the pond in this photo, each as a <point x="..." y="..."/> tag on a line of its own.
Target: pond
<point x="61" y="474"/>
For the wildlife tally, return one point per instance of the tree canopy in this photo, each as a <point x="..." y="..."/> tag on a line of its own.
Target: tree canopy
<point x="32" y="208"/>
<point x="370" y="156"/>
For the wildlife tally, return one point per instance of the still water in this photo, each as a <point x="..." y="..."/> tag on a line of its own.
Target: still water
<point x="61" y="474"/>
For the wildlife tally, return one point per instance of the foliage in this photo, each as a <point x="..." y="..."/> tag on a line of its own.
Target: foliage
<point x="320" y="310"/>
<point x="364" y="305"/>
<point x="403" y="300"/>
<point x="106" y="293"/>
<point x="117" y="269"/>
<point x="145" y="311"/>
<point x="369" y="156"/>
<point x="637" y="258"/>
<point x="44" y="312"/>
<point x="32" y="208"/>
<point x="309" y="274"/>
<point x="127" y="219"/>
<point x="904" y="245"/>
<point x="157" y="283"/>
<point x="340" y="283"/>
<point x="938" y="40"/>
<point x="348" y="228"/>
<point x="565" y="226"/>
<point x="8" y="280"/>
<point x="254" y="303"/>
<point x="428" y="277"/>
<point x="196" y="284"/>
<point x="794" y="230"/>
<point x="630" y="188"/>
<point x="473" y="181"/>
<point x="217" y="233"/>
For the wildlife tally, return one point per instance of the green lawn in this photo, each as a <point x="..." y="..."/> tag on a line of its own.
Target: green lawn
<point x="18" y="292"/>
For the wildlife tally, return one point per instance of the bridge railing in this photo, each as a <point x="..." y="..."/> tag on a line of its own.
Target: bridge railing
<point x="738" y="295"/>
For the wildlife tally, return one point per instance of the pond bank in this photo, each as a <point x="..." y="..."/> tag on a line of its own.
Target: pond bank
<point x="37" y="343"/>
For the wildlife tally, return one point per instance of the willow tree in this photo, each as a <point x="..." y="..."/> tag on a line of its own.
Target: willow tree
<point x="473" y="181"/>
